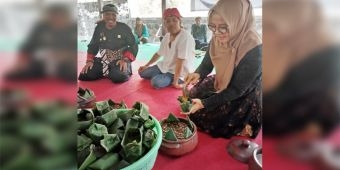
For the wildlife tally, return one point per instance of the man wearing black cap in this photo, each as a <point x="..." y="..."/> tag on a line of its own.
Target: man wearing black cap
<point x="116" y="44"/>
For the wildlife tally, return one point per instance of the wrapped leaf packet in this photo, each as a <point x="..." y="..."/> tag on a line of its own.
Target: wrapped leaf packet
<point x="117" y="124"/>
<point x="122" y="164"/>
<point x="105" y="162"/>
<point x="110" y="142"/>
<point x="132" y="144"/>
<point x="85" y="118"/>
<point x="132" y="123"/>
<point x="143" y="110"/>
<point x="149" y="124"/>
<point x="85" y="98"/>
<point x="90" y="158"/>
<point x="187" y="132"/>
<point x="115" y="105"/>
<point x="83" y="142"/>
<point x="102" y="107"/>
<point x="85" y="93"/>
<point x="172" y="118"/>
<point x="108" y="118"/>
<point x="124" y="114"/>
<point x="149" y="138"/>
<point x="185" y="103"/>
<point x="97" y="131"/>
<point x="170" y="135"/>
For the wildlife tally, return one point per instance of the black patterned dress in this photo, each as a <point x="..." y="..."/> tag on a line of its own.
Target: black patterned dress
<point x="237" y="110"/>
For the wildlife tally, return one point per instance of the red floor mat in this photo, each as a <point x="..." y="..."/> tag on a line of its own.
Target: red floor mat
<point x="210" y="153"/>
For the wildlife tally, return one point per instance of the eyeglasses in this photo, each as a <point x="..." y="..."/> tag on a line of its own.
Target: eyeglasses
<point x="222" y="29"/>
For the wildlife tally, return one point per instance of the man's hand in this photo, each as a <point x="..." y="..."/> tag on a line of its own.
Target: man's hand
<point x="191" y="78"/>
<point x="122" y="65"/>
<point x="142" y="68"/>
<point x="87" y="67"/>
<point x="176" y="85"/>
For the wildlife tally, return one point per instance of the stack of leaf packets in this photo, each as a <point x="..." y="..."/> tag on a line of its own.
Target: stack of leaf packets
<point x="36" y="135"/>
<point x="175" y="129"/>
<point x="112" y="136"/>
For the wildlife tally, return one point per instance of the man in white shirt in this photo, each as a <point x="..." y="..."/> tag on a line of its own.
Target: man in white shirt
<point x="178" y="51"/>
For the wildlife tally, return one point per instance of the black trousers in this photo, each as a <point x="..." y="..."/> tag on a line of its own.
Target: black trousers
<point x="115" y="74"/>
<point x="199" y="45"/>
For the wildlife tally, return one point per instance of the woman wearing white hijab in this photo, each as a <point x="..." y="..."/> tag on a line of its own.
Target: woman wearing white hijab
<point x="229" y="103"/>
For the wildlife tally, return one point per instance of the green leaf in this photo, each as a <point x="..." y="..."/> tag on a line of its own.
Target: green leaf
<point x="81" y="91"/>
<point x="105" y="162"/>
<point x="97" y="131"/>
<point x="83" y="142"/>
<point x="190" y="124"/>
<point x="143" y="110"/>
<point x="110" y="142"/>
<point x="115" y="105"/>
<point x="89" y="159"/>
<point x="132" y="144"/>
<point x="85" y="114"/>
<point x="149" y="138"/>
<point x="122" y="164"/>
<point x="84" y="124"/>
<point x="186" y="106"/>
<point x="170" y="135"/>
<point x="120" y="133"/>
<point x="85" y="93"/>
<point x="85" y="118"/>
<point x="187" y="133"/>
<point x="123" y="105"/>
<point x="103" y="107"/>
<point x="118" y="123"/>
<point x="109" y="117"/>
<point x="133" y="151"/>
<point x="132" y="123"/>
<point x="124" y="114"/>
<point x="172" y="118"/>
<point x="149" y="124"/>
<point x="52" y="161"/>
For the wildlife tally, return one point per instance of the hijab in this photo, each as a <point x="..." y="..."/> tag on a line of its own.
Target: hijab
<point x="238" y="15"/>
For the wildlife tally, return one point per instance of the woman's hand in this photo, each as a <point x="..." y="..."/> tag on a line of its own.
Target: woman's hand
<point x="142" y="68"/>
<point x="191" y="78"/>
<point x="88" y="66"/>
<point x="196" y="105"/>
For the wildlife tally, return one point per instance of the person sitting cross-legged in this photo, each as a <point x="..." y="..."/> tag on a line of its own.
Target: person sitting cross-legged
<point x="178" y="51"/>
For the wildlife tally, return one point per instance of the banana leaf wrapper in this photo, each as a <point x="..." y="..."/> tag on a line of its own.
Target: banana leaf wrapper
<point x="143" y="110"/>
<point x="132" y="144"/>
<point x="97" y="131"/>
<point x="110" y="142"/>
<point x="105" y="162"/>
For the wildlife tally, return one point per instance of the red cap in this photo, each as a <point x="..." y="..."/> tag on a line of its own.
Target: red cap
<point x="171" y="12"/>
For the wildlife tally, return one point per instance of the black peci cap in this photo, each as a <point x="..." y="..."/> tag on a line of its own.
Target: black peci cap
<point x="110" y="7"/>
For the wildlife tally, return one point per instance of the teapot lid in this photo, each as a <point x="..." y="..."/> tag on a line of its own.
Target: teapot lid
<point x="241" y="149"/>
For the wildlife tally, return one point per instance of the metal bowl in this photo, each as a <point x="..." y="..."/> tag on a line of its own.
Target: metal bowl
<point x="255" y="162"/>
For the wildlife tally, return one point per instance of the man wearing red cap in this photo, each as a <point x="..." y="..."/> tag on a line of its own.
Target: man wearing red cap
<point x="116" y="44"/>
<point x="178" y="51"/>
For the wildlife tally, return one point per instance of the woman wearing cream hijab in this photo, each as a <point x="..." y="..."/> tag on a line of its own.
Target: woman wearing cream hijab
<point x="229" y="103"/>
